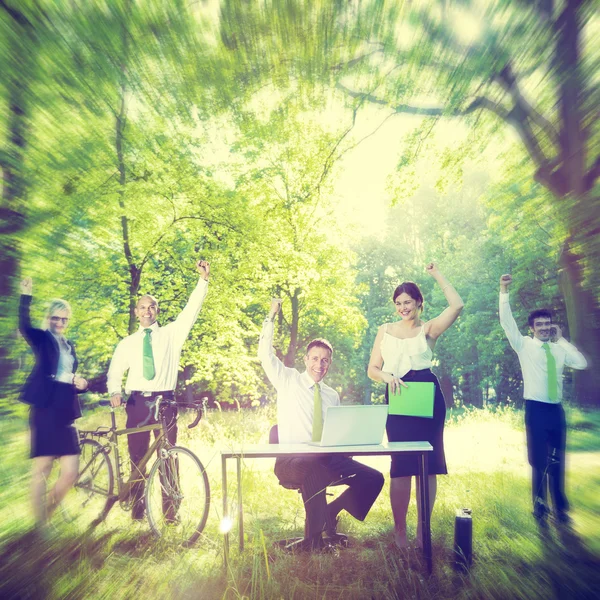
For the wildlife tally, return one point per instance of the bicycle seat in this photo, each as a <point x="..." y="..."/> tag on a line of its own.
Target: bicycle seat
<point x="102" y="430"/>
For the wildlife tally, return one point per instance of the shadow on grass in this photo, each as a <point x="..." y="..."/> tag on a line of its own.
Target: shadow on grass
<point x="146" y="544"/>
<point x="571" y="568"/>
<point x="135" y="546"/>
<point x="31" y="563"/>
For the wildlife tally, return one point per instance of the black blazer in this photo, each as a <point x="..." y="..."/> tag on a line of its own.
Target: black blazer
<point x="38" y="389"/>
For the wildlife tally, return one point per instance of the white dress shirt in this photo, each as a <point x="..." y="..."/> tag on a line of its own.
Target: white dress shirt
<point x="534" y="364"/>
<point x="66" y="360"/>
<point x="295" y="393"/>
<point x="167" y="343"/>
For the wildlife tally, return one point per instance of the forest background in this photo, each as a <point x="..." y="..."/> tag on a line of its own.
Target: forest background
<point x="322" y="152"/>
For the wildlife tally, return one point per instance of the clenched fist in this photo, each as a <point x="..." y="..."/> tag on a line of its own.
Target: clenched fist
<point x="505" y="281"/>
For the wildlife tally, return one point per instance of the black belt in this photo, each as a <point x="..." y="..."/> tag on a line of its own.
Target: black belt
<point x="169" y="394"/>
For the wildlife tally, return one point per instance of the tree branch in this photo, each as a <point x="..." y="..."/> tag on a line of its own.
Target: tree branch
<point x="357" y="59"/>
<point x="518" y="116"/>
<point x="591" y="176"/>
<point x="434" y="111"/>
<point x="508" y="81"/>
<point x="368" y="134"/>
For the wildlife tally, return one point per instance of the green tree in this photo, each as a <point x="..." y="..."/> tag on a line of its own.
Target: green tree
<point x="19" y="54"/>
<point x="393" y="54"/>
<point x="288" y="162"/>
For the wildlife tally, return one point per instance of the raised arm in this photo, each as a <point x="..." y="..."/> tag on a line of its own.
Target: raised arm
<point x="511" y="329"/>
<point x="30" y="333"/>
<point x="187" y="317"/>
<point x="439" y="324"/>
<point x="273" y="367"/>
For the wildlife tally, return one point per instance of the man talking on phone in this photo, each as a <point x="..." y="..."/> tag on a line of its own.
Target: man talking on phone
<point x="543" y="358"/>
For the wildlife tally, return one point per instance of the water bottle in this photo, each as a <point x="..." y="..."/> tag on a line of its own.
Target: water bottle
<point x="463" y="539"/>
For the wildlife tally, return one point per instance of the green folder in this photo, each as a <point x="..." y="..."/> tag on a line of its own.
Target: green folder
<point x="416" y="400"/>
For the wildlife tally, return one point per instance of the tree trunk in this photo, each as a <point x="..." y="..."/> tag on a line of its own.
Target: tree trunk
<point x="471" y="389"/>
<point x="120" y="123"/>
<point x="18" y="73"/>
<point x="134" y="272"/>
<point x="188" y="371"/>
<point x="290" y="356"/>
<point x="584" y="326"/>
<point x="368" y="391"/>
<point x="447" y="390"/>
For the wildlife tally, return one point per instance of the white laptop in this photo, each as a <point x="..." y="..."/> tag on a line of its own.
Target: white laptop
<point x="353" y="425"/>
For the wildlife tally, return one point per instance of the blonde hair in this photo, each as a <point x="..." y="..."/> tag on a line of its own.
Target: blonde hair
<point x="55" y="305"/>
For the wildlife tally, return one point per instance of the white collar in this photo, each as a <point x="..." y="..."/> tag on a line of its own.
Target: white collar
<point x="59" y="338"/>
<point x="310" y="382"/>
<point x="539" y="342"/>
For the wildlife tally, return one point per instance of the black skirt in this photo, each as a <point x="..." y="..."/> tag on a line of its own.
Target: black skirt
<point x="418" y="429"/>
<point x="52" y="429"/>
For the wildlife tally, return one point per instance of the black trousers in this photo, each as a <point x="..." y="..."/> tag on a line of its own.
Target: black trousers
<point x="140" y="411"/>
<point x="315" y="474"/>
<point x="546" y="430"/>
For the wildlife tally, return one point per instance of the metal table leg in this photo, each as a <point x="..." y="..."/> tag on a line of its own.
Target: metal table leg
<point x="225" y="510"/>
<point x="240" y="510"/>
<point x="425" y="503"/>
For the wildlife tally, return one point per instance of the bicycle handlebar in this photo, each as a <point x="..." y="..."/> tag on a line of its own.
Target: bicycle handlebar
<point x="195" y="422"/>
<point x="197" y="406"/>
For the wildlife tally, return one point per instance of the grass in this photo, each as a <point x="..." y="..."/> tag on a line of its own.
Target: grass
<point x="488" y="473"/>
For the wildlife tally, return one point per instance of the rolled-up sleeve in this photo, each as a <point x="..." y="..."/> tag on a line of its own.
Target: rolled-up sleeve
<point x="118" y="365"/>
<point x="573" y="358"/>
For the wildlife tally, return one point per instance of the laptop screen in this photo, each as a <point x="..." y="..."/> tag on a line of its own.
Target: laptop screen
<point x="354" y="425"/>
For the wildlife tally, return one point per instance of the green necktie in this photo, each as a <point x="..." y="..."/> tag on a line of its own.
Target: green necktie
<point x="317" y="431"/>
<point x="148" y="357"/>
<point x="551" y="363"/>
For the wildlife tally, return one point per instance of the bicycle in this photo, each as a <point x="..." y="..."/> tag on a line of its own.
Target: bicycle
<point x="177" y="492"/>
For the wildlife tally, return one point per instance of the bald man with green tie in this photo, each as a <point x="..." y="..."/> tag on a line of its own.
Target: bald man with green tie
<point x="543" y="358"/>
<point x="150" y="357"/>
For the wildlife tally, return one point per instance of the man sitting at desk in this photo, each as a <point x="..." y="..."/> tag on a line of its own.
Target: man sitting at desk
<point x="302" y="399"/>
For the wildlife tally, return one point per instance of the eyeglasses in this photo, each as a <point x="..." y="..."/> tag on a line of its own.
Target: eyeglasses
<point x="63" y="320"/>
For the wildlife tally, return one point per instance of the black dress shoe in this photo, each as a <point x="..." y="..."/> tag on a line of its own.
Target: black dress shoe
<point x="336" y="539"/>
<point x="540" y="511"/>
<point x="316" y="544"/>
<point x="541" y="521"/>
<point x="562" y="518"/>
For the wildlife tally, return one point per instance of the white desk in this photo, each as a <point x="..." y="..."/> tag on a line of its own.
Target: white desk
<point x="274" y="450"/>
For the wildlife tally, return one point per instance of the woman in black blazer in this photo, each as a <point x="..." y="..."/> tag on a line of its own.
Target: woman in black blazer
<point x="51" y="390"/>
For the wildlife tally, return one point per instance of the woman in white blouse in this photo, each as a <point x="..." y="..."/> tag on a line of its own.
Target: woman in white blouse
<point x="402" y="352"/>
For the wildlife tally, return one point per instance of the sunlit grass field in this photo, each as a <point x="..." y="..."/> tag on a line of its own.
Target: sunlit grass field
<point x="488" y="473"/>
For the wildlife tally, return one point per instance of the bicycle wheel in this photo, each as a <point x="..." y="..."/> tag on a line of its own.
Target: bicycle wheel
<point x="177" y="496"/>
<point x="86" y="502"/>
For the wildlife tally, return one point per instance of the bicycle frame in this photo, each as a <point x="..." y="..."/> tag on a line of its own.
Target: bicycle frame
<point x="112" y="437"/>
<point x="124" y="487"/>
<point x="96" y="487"/>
